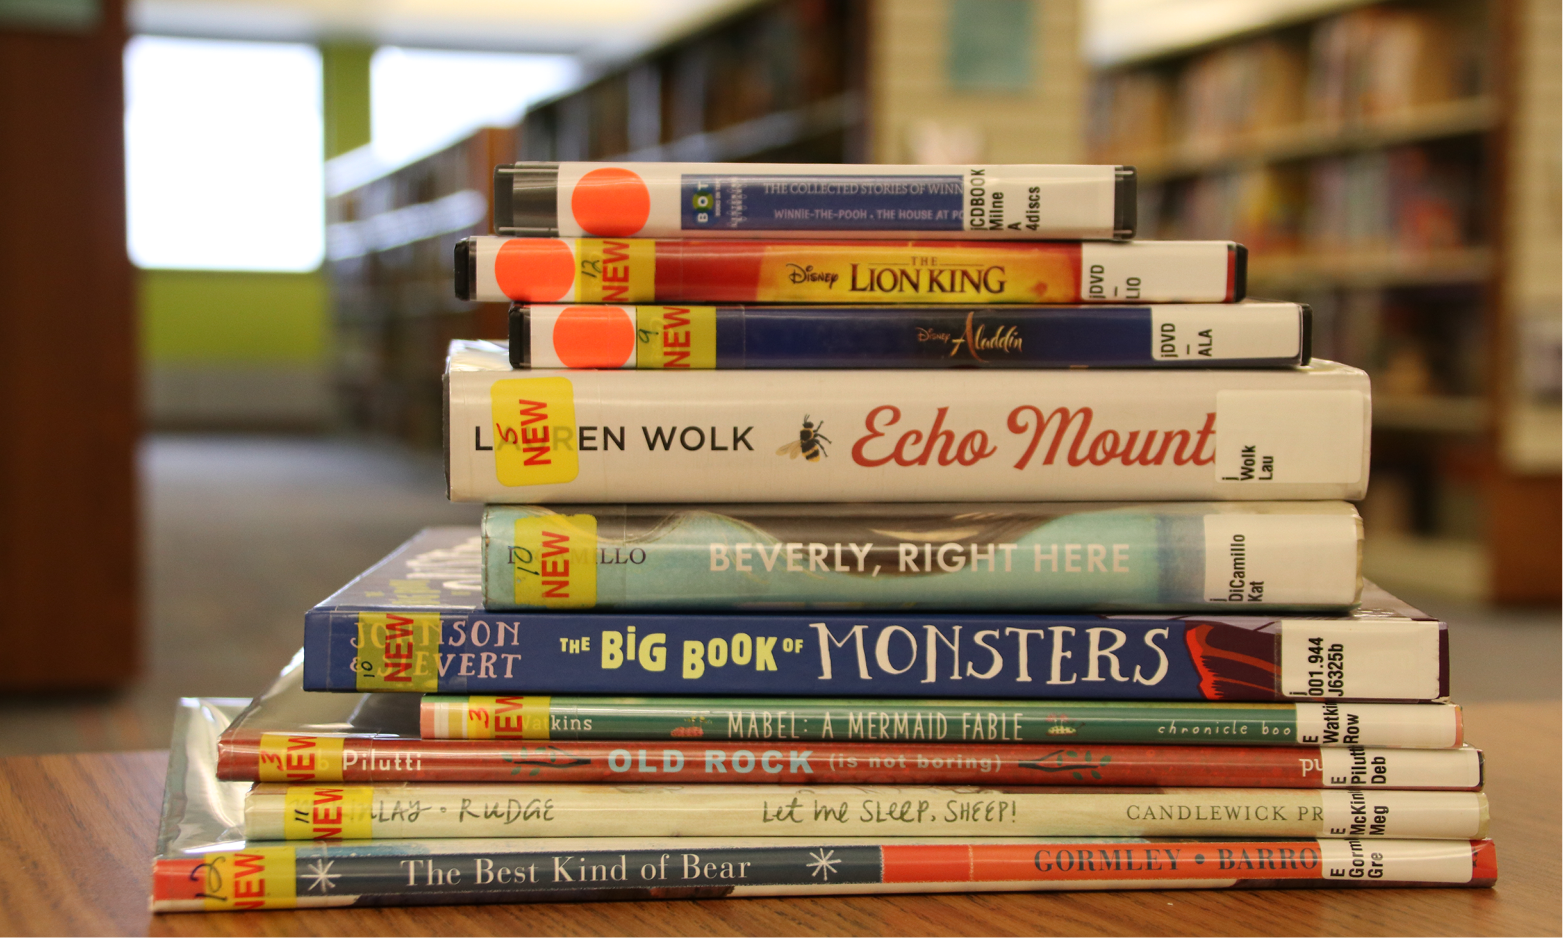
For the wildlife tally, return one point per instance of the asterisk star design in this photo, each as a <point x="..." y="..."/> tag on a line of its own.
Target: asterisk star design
<point x="321" y="876"/>
<point x="823" y="864"/>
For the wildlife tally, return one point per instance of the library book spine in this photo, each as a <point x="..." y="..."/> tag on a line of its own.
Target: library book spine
<point x="1169" y="335"/>
<point x="416" y="810"/>
<point x="974" y="557"/>
<point x="649" y="270"/>
<point x="284" y="757"/>
<point x="791" y="200"/>
<point x="764" y="721"/>
<point x="934" y="655"/>
<point x="536" y="437"/>
<point x="326" y="874"/>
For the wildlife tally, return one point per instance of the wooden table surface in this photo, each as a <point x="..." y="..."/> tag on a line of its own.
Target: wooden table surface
<point x="77" y="833"/>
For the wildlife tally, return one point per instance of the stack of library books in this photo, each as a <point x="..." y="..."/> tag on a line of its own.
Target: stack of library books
<point x="988" y="560"/>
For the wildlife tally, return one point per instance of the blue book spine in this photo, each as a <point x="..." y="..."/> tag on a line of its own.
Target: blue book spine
<point x="1243" y="335"/>
<point x="928" y="656"/>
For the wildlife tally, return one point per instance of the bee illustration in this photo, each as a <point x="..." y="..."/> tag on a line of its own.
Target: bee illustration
<point x="807" y="444"/>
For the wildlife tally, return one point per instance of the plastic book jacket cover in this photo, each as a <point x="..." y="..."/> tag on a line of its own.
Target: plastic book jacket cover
<point x="203" y="862"/>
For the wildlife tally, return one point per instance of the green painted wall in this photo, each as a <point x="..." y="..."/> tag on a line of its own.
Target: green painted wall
<point x="227" y="317"/>
<point x="345" y="100"/>
<point x="196" y="317"/>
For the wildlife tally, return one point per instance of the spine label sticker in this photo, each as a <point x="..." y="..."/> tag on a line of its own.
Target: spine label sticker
<point x="1199" y="332"/>
<point x="1405" y="861"/>
<point x="1281" y="558"/>
<point x="1146" y="270"/>
<point x="1413" y="726"/>
<point x="1290" y="436"/>
<point x="1433" y="815"/>
<point x="1359" y="767"/>
<point x="554" y="560"/>
<point x="534" y="431"/>
<point x="1393" y="660"/>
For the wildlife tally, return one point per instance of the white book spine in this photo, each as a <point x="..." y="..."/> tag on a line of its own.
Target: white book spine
<point x="809" y="436"/>
<point x="277" y="811"/>
<point x="1002" y="202"/>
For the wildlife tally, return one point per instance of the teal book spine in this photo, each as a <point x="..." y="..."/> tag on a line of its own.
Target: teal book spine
<point x="952" y="557"/>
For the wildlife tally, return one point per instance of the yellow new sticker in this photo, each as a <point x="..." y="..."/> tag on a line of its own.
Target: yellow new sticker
<point x="262" y="878"/>
<point x="534" y="431"/>
<point x="554" y="560"/>
<point x="518" y="717"/>
<point x="615" y="270"/>
<point x="328" y="812"/>
<point x="398" y="651"/>
<point x="675" y="337"/>
<point x="291" y="758"/>
<point x="521" y="717"/>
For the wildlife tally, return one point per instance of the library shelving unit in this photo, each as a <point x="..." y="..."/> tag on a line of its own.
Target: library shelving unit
<point x="775" y="80"/>
<point x="1387" y="163"/>
<point x="389" y="243"/>
<point x="881" y="81"/>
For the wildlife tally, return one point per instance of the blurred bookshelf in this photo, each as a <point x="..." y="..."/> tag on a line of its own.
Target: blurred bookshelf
<point x="389" y="243"/>
<point x="775" y="80"/>
<point x="779" y="82"/>
<point x="1371" y="157"/>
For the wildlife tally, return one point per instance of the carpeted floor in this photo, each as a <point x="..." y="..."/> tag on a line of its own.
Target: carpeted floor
<point x="244" y="533"/>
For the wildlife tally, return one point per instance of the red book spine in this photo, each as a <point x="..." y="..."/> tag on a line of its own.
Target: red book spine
<point x="280" y="757"/>
<point x="646" y="270"/>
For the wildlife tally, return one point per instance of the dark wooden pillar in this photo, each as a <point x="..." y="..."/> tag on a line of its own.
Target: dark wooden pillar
<point x="69" y="564"/>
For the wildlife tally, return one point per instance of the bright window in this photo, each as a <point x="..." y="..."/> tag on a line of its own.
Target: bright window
<point x="223" y="154"/>
<point x="422" y="99"/>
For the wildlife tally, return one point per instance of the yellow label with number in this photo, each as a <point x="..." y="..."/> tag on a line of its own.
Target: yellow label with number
<point x="675" y="337"/>
<point x="519" y="717"/>
<point x="262" y="878"/>
<point x="398" y="651"/>
<point x="328" y="812"/>
<point x="534" y="431"/>
<point x="289" y="758"/>
<point x="479" y="722"/>
<point x="615" y="270"/>
<point x="554" y="561"/>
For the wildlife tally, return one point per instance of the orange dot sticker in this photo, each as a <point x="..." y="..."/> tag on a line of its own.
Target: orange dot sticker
<point x="611" y="202"/>
<point x="594" y="337"/>
<point x="535" y="270"/>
